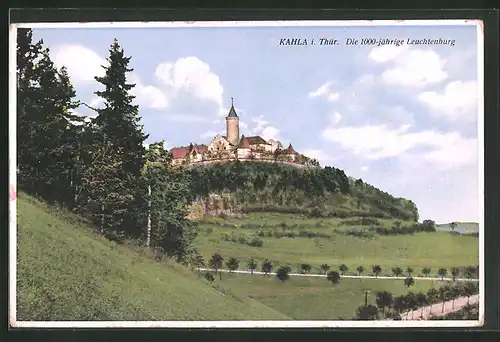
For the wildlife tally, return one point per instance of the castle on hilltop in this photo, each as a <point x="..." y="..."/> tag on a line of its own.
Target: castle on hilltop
<point x="232" y="146"/>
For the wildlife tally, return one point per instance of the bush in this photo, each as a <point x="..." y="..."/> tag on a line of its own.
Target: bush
<point x="361" y="221"/>
<point x="316" y="211"/>
<point x="339" y="214"/>
<point x="283" y="273"/>
<point x="209" y="277"/>
<point x="361" y="233"/>
<point x="256" y="242"/>
<point x="251" y="225"/>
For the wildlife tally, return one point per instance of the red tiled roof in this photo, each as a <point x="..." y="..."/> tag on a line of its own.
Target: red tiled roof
<point x="245" y="143"/>
<point x="179" y="152"/>
<point x="289" y="149"/>
<point x="200" y="148"/>
<point x="256" y="140"/>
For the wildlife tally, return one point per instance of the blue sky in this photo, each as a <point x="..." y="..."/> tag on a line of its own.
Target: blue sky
<point x="401" y="118"/>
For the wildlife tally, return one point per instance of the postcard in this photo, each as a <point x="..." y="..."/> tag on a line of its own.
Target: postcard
<point x="247" y="174"/>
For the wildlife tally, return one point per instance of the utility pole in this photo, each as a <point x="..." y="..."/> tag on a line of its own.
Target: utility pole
<point x="366" y="298"/>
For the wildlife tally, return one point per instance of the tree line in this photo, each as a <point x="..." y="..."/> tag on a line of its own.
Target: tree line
<point x="289" y="189"/>
<point x="234" y="263"/>
<point x="97" y="167"/>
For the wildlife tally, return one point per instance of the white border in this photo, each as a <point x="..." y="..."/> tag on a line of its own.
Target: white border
<point x="239" y="324"/>
<point x="12" y="171"/>
<point x="278" y="23"/>
<point x="480" y="134"/>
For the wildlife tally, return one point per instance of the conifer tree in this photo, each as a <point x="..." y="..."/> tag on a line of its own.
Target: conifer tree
<point x="119" y="123"/>
<point x="104" y="197"/>
<point x="45" y="102"/>
<point x="27" y="90"/>
<point x="55" y="144"/>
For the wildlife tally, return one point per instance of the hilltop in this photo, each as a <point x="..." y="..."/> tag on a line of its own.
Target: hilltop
<point x="68" y="272"/>
<point x="246" y="187"/>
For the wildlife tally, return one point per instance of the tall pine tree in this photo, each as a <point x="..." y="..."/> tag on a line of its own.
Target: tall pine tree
<point x="119" y="126"/>
<point x="55" y="143"/>
<point x="27" y="94"/>
<point x="45" y="129"/>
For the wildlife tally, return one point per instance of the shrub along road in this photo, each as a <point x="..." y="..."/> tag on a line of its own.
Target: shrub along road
<point x="344" y="276"/>
<point x="436" y="310"/>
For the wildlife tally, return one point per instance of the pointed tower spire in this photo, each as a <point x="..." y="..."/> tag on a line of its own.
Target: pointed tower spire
<point x="232" y="111"/>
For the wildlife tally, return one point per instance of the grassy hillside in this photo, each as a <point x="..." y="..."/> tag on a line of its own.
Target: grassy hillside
<point x="67" y="272"/>
<point x="296" y="239"/>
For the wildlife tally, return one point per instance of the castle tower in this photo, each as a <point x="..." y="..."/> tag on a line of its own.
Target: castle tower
<point x="232" y="125"/>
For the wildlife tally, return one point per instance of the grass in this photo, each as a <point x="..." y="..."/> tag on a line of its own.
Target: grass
<point x="67" y="272"/>
<point x="420" y="250"/>
<point x="303" y="298"/>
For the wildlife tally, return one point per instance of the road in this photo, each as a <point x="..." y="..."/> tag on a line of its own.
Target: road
<point x="436" y="309"/>
<point x="344" y="276"/>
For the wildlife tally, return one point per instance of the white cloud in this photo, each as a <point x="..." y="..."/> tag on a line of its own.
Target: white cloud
<point x="364" y="168"/>
<point x="335" y="118"/>
<point x="317" y="154"/>
<point x="263" y="128"/>
<point x="211" y="134"/>
<point x="82" y="63"/>
<point x="96" y="101"/>
<point x="333" y="96"/>
<point x="260" y="124"/>
<point x="457" y="101"/>
<point x="443" y="150"/>
<point x="270" y="132"/>
<point x="386" y="53"/>
<point x="149" y="96"/>
<point x="324" y="90"/>
<point x="409" y="67"/>
<point x="192" y="75"/>
<point x="460" y="153"/>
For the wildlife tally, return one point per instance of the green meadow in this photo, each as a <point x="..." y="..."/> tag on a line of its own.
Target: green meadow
<point x="302" y="298"/>
<point x="330" y="243"/>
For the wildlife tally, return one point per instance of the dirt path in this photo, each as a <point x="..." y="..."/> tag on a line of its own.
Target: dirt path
<point x="344" y="276"/>
<point x="436" y="309"/>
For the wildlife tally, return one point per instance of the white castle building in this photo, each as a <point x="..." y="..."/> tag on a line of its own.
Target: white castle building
<point x="234" y="146"/>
